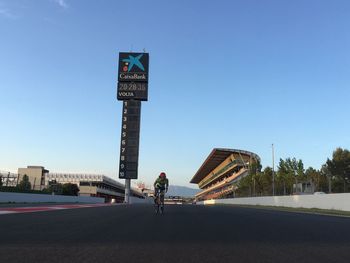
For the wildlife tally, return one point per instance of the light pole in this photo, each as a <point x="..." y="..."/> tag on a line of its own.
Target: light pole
<point x="273" y="170"/>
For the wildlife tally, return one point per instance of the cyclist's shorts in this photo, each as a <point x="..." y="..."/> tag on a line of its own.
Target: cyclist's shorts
<point x="160" y="187"/>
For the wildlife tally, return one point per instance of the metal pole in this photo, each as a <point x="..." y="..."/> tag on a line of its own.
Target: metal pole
<point x="127" y="191"/>
<point x="273" y="171"/>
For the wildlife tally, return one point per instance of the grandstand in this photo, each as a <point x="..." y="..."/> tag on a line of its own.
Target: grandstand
<point x="220" y="171"/>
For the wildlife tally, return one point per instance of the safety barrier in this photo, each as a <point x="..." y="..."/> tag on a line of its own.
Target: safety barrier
<point x="7" y="197"/>
<point x="136" y="200"/>
<point x="321" y="201"/>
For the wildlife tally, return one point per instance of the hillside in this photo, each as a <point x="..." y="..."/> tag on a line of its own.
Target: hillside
<point x="176" y="190"/>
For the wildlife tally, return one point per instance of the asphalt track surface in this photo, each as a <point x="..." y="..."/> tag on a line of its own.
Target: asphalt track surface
<point x="185" y="233"/>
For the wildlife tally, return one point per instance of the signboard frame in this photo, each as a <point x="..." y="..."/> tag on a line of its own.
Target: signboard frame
<point x="133" y="76"/>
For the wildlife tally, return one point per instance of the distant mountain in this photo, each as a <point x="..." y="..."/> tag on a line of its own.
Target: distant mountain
<point x="183" y="191"/>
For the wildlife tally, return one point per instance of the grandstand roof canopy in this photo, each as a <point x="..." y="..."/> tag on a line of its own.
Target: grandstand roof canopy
<point x="217" y="156"/>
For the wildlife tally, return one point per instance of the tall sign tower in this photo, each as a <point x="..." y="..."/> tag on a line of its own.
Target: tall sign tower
<point x="132" y="89"/>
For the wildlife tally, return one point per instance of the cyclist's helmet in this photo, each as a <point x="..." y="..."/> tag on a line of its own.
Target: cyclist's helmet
<point x="162" y="175"/>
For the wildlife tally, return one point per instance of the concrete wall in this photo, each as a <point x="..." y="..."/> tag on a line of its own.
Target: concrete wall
<point x="6" y="197"/>
<point x="85" y="189"/>
<point x="325" y="201"/>
<point x="135" y="200"/>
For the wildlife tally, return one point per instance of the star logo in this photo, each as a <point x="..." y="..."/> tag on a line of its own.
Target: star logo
<point x="131" y="61"/>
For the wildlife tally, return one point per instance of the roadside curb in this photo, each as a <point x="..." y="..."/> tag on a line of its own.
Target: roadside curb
<point x="32" y="209"/>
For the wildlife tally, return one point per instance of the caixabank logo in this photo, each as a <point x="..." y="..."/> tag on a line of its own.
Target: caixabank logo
<point x="133" y="67"/>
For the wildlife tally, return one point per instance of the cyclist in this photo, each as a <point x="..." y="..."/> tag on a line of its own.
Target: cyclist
<point x="161" y="184"/>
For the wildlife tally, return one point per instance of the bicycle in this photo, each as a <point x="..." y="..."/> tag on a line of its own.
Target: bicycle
<point x="159" y="201"/>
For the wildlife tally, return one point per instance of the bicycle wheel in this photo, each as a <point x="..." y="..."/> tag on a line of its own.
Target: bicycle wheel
<point x="156" y="204"/>
<point x="162" y="203"/>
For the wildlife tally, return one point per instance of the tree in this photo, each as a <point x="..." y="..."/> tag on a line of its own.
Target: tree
<point x="25" y="185"/>
<point x="326" y="173"/>
<point x="266" y="181"/>
<point x="255" y="171"/>
<point x="284" y="178"/>
<point x="339" y="166"/>
<point x="289" y="171"/>
<point x="54" y="187"/>
<point x="313" y="175"/>
<point x="70" y="189"/>
<point x="0" y="180"/>
<point x="244" y="186"/>
<point x="256" y="183"/>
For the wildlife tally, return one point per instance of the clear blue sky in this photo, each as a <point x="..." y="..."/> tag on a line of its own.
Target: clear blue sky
<point x="234" y="74"/>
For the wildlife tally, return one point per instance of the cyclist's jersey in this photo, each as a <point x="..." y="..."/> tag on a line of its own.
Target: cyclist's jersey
<point x="161" y="183"/>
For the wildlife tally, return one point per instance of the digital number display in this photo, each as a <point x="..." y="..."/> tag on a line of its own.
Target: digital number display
<point x="130" y="134"/>
<point x="132" y="90"/>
